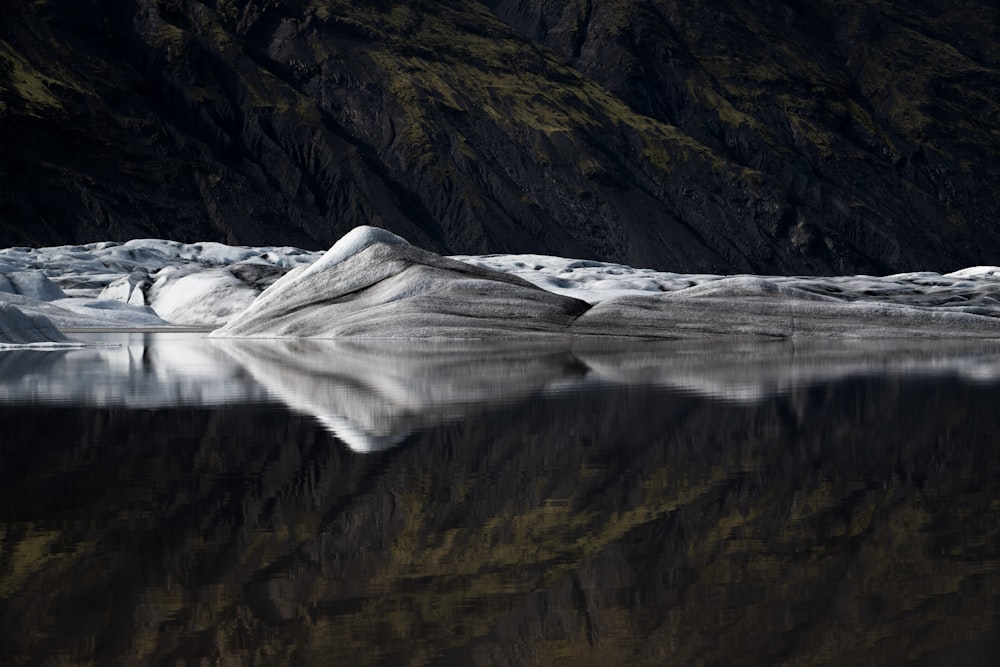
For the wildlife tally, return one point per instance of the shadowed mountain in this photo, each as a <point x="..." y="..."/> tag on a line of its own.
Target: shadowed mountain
<point x="729" y="136"/>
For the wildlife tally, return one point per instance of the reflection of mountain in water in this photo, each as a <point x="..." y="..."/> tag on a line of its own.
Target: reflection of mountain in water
<point x="838" y="522"/>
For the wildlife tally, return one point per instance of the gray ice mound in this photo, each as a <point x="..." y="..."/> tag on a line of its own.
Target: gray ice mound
<point x="32" y="284"/>
<point x="17" y="328"/>
<point x="373" y="284"/>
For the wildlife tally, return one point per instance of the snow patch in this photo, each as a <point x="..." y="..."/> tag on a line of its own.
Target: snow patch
<point x="351" y="244"/>
<point x="976" y="272"/>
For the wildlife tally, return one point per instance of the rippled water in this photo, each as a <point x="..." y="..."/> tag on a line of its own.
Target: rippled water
<point x="165" y="499"/>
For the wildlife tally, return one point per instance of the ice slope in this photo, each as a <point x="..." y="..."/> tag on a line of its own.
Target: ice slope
<point x="372" y="284"/>
<point x="17" y="328"/>
<point x="375" y="285"/>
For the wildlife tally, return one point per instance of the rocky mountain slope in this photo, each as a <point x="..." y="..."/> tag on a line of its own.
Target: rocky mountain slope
<point x="726" y="136"/>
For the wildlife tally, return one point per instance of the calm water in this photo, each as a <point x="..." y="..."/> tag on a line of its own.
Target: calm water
<point x="166" y="500"/>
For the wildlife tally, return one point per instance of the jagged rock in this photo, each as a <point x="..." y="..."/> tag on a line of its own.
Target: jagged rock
<point x="716" y="137"/>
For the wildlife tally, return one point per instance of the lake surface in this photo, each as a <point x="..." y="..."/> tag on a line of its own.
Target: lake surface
<point x="167" y="499"/>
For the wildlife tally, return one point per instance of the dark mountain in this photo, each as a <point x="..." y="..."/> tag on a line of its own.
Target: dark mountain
<point x="724" y="135"/>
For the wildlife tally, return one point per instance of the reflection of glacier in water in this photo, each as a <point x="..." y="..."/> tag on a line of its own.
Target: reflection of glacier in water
<point x="373" y="394"/>
<point x="862" y="509"/>
<point x="134" y="370"/>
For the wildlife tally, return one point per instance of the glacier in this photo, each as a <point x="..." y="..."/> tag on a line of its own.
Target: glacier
<point x="373" y="284"/>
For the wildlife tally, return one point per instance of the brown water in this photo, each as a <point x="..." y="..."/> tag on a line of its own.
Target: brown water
<point x="843" y="517"/>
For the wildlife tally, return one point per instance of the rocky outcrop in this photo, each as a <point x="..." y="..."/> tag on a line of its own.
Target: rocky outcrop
<point x="724" y="137"/>
<point x="878" y="120"/>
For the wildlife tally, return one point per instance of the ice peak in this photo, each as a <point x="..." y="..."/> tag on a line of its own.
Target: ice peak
<point x="352" y="243"/>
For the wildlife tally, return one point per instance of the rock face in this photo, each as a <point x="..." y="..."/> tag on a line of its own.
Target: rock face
<point x="723" y="136"/>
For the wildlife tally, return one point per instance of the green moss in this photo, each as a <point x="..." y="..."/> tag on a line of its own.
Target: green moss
<point x="725" y="109"/>
<point x="956" y="220"/>
<point x="807" y="133"/>
<point x="31" y="550"/>
<point x="307" y="112"/>
<point x="488" y="72"/>
<point x="229" y="9"/>
<point x="33" y="87"/>
<point x="169" y="36"/>
<point x="590" y="168"/>
<point x="765" y="72"/>
<point x="264" y="91"/>
<point x="861" y="117"/>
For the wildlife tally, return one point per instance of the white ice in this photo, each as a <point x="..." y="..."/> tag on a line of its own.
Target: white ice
<point x="143" y="283"/>
<point x="208" y="296"/>
<point x="156" y="283"/>
<point x="351" y="244"/>
<point x="595" y="282"/>
<point x="369" y="288"/>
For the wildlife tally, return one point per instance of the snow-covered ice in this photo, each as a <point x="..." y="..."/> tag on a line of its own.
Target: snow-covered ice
<point x="373" y="283"/>
<point x="594" y="282"/>
<point x="143" y="283"/>
<point x="32" y="284"/>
